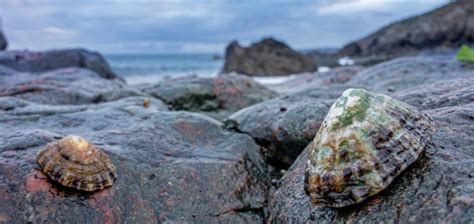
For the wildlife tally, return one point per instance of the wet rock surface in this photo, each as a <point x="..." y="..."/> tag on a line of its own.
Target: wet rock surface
<point x="217" y="97"/>
<point x="269" y="57"/>
<point x="284" y="125"/>
<point x="171" y="166"/>
<point x="63" y="86"/>
<point x="405" y="73"/>
<point x="434" y="95"/>
<point x="436" y="188"/>
<point x="178" y="166"/>
<point x="285" y="134"/>
<point x="27" y="61"/>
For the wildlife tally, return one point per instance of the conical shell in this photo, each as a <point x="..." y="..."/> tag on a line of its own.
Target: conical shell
<point x="365" y="141"/>
<point x="74" y="162"/>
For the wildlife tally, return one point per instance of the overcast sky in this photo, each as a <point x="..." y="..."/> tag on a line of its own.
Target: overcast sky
<point x="195" y="26"/>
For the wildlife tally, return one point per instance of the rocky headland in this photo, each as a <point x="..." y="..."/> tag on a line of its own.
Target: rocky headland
<point x="447" y="27"/>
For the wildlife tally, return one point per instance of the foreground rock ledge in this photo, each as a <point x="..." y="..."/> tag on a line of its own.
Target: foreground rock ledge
<point x="435" y="189"/>
<point x="172" y="166"/>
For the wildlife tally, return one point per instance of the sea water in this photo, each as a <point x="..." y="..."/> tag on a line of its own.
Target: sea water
<point x="152" y="68"/>
<point x="149" y="68"/>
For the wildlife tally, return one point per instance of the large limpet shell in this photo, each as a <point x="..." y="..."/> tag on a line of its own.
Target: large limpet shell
<point x="74" y="162"/>
<point x="365" y="141"/>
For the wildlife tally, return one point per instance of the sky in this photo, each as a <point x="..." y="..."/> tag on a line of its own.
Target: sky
<point x="146" y="26"/>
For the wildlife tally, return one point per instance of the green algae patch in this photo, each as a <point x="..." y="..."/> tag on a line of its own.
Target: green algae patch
<point x="355" y="112"/>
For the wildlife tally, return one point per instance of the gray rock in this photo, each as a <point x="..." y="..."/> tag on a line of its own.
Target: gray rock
<point x="3" y="41"/>
<point x="64" y="86"/>
<point x="435" y="189"/>
<point x="268" y="57"/>
<point x="448" y="26"/>
<point x="409" y="72"/>
<point x="172" y="166"/>
<point x="284" y="125"/>
<point x="439" y="94"/>
<point x="26" y="61"/>
<point x="217" y="97"/>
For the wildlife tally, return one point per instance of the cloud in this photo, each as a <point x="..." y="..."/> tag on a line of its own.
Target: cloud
<point x="202" y="47"/>
<point x="355" y="6"/>
<point x="187" y="26"/>
<point x="56" y="31"/>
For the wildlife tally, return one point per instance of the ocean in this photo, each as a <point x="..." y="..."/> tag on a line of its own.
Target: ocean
<point x="146" y="68"/>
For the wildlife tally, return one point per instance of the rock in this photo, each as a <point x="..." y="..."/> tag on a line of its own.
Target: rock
<point x="439" y="181"/>
<point x="26" y="61"/>
<point x="409" y="72"/>
<point x="434" y="94"/>
<point x="448" y="26"/>
<point x="171" y="166"/>
<point x="268" y="57"/>
<point x="22" y="109"/>
<point x="284" y="125"/>
<point x="217" y="57"/>
<point x="3" y="41"/>
<point x="324" y="58"/>
<point x="337" y="75"/>
<point x="64" y="86"/>
<point x="217" y="97"/>
<point x="364" y="143"/>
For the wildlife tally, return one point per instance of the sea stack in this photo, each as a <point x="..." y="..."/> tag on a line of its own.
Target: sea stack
<point x="269" y="57"/>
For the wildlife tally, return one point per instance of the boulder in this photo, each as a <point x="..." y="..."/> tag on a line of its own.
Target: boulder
<point x="285" y="125"/>
<point x="26" y="61"/>
<point x="3" y="41"/>
<point x="448" y="26"/>
<point x="173" y="167"/>
<point x="63" y="86"/>
<point x="268" y="57"/>
<point x="217" y="97"/>
<point x="435" y="189"/>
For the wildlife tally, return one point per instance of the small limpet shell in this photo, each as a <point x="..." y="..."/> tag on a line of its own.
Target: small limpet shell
<point x="146" y="102"/>
<point x="365" y="141"/>
<point x="74" y="162"/>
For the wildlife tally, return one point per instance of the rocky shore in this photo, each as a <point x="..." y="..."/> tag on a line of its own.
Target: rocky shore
<point x="225" y="149"/>
<point x="176" y="163"/>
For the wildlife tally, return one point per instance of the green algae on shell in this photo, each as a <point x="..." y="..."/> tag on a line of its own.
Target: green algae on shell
<point x="74" y="162"/>
<point x="365" y="141"/>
